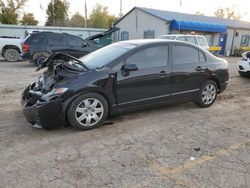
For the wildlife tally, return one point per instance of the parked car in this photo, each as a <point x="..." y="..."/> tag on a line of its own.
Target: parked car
<point x="194" y="39"/>
<point x="41" y="45"/>
<point x="122" y="77"/>
<point x="10" y="48"/>
<point x="244" y="64"/>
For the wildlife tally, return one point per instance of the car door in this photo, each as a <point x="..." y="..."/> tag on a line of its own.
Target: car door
<point x="188" y="69"/>
<point x="57" y="43"/>
<point x="77" y="46"/>
<point x="150" y="82"/>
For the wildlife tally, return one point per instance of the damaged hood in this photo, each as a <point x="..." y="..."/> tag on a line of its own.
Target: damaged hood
<point x="66" y="60"/>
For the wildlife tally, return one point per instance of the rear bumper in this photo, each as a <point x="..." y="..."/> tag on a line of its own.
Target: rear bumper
<point x="48" y="115"/>
<point x="26" y="56"/>
<point x="223" y="86"/>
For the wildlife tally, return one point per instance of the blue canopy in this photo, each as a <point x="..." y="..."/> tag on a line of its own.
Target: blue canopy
<point x="197" y="26"/>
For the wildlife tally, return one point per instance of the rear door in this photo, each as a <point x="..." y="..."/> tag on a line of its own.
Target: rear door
<point x="57" y="43"/>
<point x="189" y="69"/>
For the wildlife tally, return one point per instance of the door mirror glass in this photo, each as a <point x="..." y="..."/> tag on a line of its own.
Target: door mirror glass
<point x="84" y="44"/>
<point x="129" y="67"/>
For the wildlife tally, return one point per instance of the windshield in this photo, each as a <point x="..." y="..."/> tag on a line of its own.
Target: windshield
<point x="167" y="37"/>
<point x="105" y="55"/>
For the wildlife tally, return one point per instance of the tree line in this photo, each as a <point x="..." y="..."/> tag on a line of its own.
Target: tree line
<point x="57" y="15"/>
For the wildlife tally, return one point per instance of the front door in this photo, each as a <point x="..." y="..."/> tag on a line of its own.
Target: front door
<point x="150" y="82"/>
<point x="222" y="43"/>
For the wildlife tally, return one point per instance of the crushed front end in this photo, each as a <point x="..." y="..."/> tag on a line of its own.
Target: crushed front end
<point x="43" y="101"/>
<point x="41" y="113"/>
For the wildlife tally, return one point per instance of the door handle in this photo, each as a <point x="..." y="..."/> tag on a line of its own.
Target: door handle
<point x="198" y="68"/>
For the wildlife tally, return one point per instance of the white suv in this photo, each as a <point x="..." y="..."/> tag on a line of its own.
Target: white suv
<point x="244" y="64"/>
<point x="195" y="39"/>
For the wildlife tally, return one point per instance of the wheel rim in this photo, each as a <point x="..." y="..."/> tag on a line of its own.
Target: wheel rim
<point x="11" y="55"/>
<point x="208" y="94"/>
<point x="89" y="112"/>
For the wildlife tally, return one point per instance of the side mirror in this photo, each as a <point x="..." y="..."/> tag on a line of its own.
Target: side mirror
<point x="129" y="67"/>
<point x="84" y="44"/>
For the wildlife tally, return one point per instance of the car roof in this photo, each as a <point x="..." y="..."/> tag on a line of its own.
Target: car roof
<point x="141" y="42"/>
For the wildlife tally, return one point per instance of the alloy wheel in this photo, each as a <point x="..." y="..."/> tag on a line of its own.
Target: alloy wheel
<point x="208" y="94"/>
<point x="89" y="112"/>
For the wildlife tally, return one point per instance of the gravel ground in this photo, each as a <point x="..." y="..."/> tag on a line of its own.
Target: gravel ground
<point x="174" y="146"/>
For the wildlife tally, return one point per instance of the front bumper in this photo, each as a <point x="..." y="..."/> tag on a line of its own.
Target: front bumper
<point x="48" y="115"/>
<point x="223" y="86"/>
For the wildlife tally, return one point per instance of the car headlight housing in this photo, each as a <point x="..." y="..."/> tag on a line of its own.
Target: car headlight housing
<point x="55" y="92"/>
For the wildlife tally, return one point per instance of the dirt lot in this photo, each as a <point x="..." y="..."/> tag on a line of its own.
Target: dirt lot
<point x="175" y="146"/>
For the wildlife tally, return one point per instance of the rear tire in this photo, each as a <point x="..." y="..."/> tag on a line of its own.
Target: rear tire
<point x="207" y="94"/>
<point x="11" y="55"/>
<point x="87" y="111"/>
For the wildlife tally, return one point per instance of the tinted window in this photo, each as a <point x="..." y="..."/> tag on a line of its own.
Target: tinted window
<point x="185" y="54"/>
<point x="105" y="55"/>
<point x="202" y="41"/>
<point x="191" y="40"/>
<point x="181" y="38"/>
<point x="58" y="40"/>
<point x="150" y="57"/>
<point x="35" y="38"/>
<point x="75" y="41"/>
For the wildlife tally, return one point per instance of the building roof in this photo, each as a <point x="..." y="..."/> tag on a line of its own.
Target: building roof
<point x="169" y="16"/>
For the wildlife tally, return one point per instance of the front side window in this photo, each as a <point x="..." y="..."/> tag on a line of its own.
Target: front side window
<point x="185" y="54"/>
<point x="210" y="39"/>
<point x="191" y="40"/>
<point x="75" y="41"/>
<point x="202" y="41"/>
<point x="150" y="57"/>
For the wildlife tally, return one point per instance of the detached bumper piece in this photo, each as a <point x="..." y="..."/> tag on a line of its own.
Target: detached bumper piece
<point x="48" y="115"/>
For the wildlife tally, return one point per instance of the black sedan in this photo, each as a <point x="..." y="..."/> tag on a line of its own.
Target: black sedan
<point x="122" y="77"/>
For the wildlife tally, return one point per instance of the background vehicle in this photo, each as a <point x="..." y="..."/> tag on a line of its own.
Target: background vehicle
<point x="122" y="77"/>
<point x="244" y="64"/>
<point x="10" y="48"/>
<point x="194" y="39"/>
<point x="40" y="45"/>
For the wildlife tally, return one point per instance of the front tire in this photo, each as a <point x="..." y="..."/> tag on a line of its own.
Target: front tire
<point x="207" y="94"/>
<point x="11" y="55"/>
<point x="87" y="111"/>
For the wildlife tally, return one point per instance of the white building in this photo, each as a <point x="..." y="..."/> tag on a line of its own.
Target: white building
<point x="141" y="23"/>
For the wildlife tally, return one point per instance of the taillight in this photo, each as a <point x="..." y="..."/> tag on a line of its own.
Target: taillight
<point x="25" y="47"/>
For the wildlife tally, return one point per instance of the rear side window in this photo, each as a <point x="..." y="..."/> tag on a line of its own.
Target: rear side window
<point x="57" y="39"/>
<point x="202" y="41"/>
<point x="75" y="41"/>
<point x="185" y="54"/>
<point x="150" y="57"/>
<point x="35" y="38"/>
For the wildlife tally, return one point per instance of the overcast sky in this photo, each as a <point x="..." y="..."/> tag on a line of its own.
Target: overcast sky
<point x="188" y="6"/>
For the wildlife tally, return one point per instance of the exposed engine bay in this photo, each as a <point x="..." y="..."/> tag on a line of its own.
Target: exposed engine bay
<point x="59" y="66"/>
